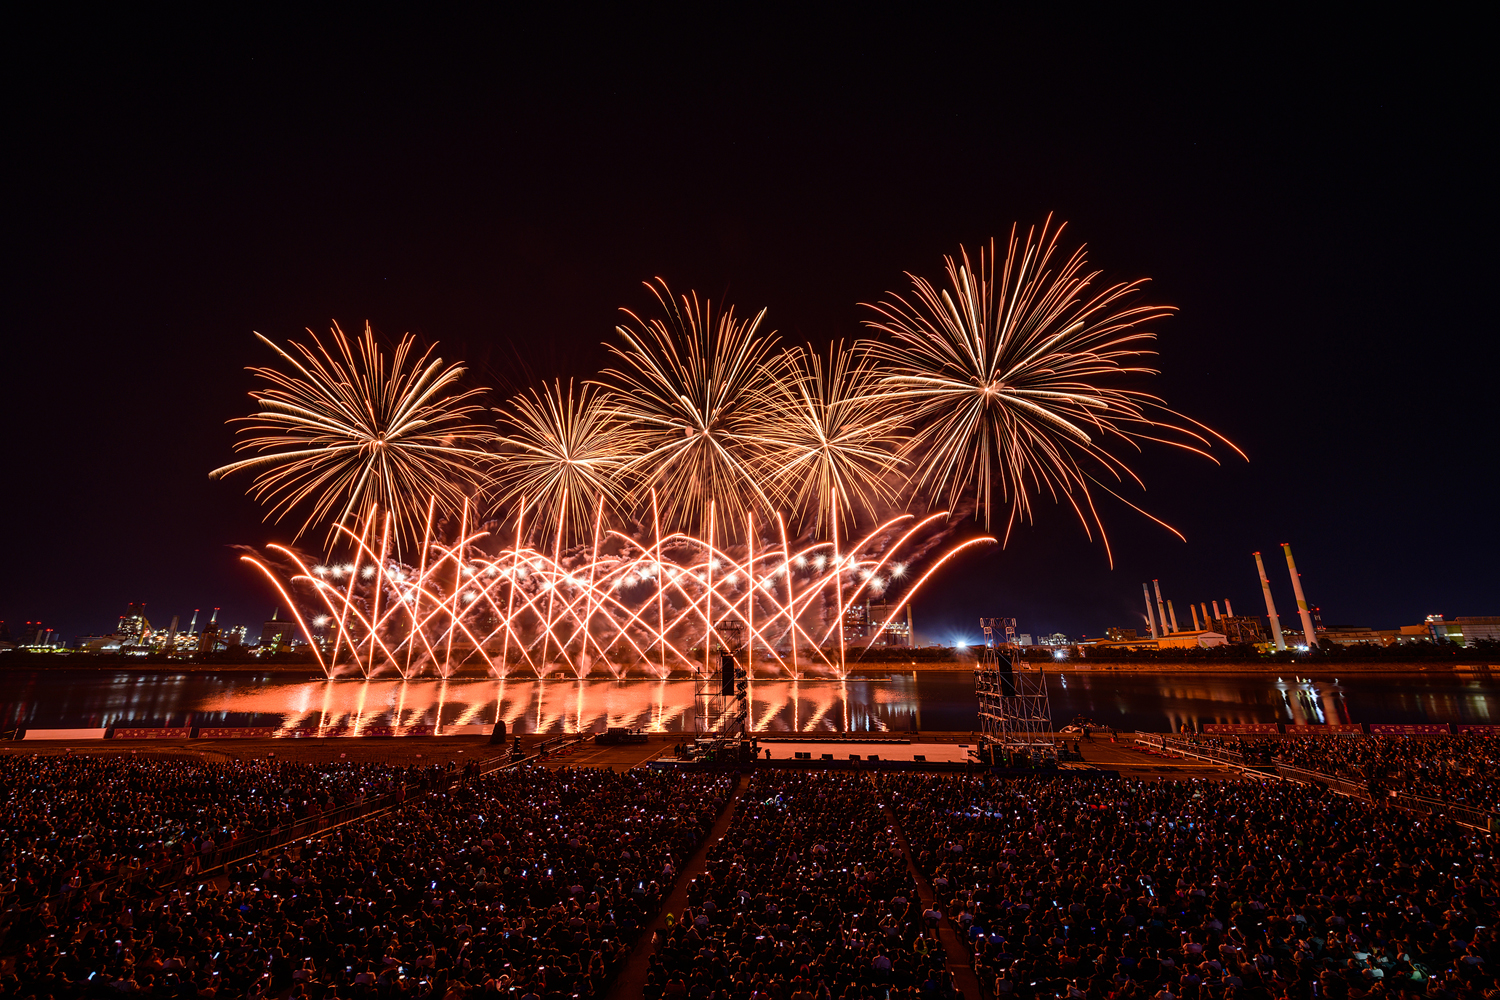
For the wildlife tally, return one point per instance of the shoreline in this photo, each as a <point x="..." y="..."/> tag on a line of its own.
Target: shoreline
<point x="765" y="671"/>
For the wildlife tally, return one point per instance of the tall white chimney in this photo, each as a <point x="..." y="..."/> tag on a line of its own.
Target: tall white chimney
<point x="1194" y="609"/>
<point x="1173" y="613"/>
<point x="1216" y="609"/>
<point x="1228" y="610"/>
<point x="1265" y="586"/>
<point x="1161" y="609"/>
<point x="1302" y="609"/>
<point x="1150" y="618"/>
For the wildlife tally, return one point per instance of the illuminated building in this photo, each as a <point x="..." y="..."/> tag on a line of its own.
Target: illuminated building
<point x="133" y="627"/>
<point x="1354" y="636"/>
<point x="235" y="636"/>
<point x="1239" y="629"/>
<point x="209" y="642"/>
<point x="1465" y="629"/>
<point x="277" y="635"/>
<point x="892" y="626"/>
<point x="856" y="622"/>
<point x="1176" y="640"/>
<point x="1116" y="634"/>
<point x="99" y="643"/>
<point x="37" y="638"/>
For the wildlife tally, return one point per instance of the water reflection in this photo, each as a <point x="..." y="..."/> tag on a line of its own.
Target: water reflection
<point x="931" y="700"/>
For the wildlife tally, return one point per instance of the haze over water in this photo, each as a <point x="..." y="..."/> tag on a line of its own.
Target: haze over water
<point x="895" y="702"/>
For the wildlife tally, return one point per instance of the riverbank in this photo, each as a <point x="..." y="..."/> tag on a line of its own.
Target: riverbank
<point x="767" y="670"/>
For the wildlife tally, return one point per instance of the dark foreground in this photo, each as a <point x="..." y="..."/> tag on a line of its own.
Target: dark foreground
<point x="169" y="872"/>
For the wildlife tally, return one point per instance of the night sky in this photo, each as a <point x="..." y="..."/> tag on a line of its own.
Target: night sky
<point x="1316" y="197"/>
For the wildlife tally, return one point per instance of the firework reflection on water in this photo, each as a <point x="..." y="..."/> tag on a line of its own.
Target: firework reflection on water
<point x="354" y="706"/>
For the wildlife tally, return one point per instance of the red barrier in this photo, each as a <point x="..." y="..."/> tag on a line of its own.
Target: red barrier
<point x="1333" y="729"/>
<point x="1480" y="730"/>
<point x="175" y="733"/>
<point x="237" y="733"/>
<point x="1242" y="729"/>
<point x="1410" y="729"/>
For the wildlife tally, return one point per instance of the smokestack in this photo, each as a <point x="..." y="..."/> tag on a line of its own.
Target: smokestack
<point x="1207" y="621"/>
<point x="1194" y="609"/>
<point x="1161" y="609"/>
<point x="1265" y="586"/>
<point x="193" y="625"/>
<point x="1216" y="608"/>
<point x="1150" y="618"/>
<point x="214" y="617"/>
<point x="911" y="633"/>
<point x="1228" y="611"/>
<point x="1173" y="612"/>
<point x="172" y="634"/>
<point x="1307" y="625"/>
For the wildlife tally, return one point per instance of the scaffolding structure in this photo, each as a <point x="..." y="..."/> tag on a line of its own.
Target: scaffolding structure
<point x="721" y="700"/>
<point x="1015" y="713"/>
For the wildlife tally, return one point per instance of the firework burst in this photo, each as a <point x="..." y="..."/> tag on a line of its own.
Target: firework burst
<point x="695" y="385"/>
<point x="565" y="454"/>
<point x="833" y="440"/>
<point x="348" y="431"/>
<point x="1007" y="376"/>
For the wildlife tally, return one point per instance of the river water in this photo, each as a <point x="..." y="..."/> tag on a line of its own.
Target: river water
<point x="930" y="700"/>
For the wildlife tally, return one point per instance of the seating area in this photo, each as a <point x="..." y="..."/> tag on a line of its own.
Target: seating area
<point x="808" y="893"/>
<point x="530" y="882"/>
<point x="74" y="820"/>
<point x="522" y="880"/>
<point x="1461" y="769"/>
<point x="1199" y="890"/>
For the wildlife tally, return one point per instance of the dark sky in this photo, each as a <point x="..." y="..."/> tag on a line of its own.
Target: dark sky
<point x="1312" y="195"/>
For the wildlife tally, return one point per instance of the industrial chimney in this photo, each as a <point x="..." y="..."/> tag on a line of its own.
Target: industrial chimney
<point x="1150" y="618"/>
<point x="1265" y="586"/>
<point x="1161" y="609"/>
<point x="1302" y="609"/>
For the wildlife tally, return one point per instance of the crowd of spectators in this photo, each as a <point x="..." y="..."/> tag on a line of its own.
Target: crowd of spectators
<point x="524" y="883"/>
<point x="1199" y="890"/>
<point x="808" y="895"/>
<point x="73" y="820"/>
<point x="1461" y="769"/>
<point x="1247" y="749"/>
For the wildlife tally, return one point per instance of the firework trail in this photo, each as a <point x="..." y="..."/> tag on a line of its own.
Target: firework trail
<point x="347" y="432"/>
<point x="1007" y="376"/>
<point x="650" y="605"/>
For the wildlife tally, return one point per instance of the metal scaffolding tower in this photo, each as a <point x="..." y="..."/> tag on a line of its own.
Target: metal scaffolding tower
<point x="721" y="701"/>
<point x="1014" y="710"/>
